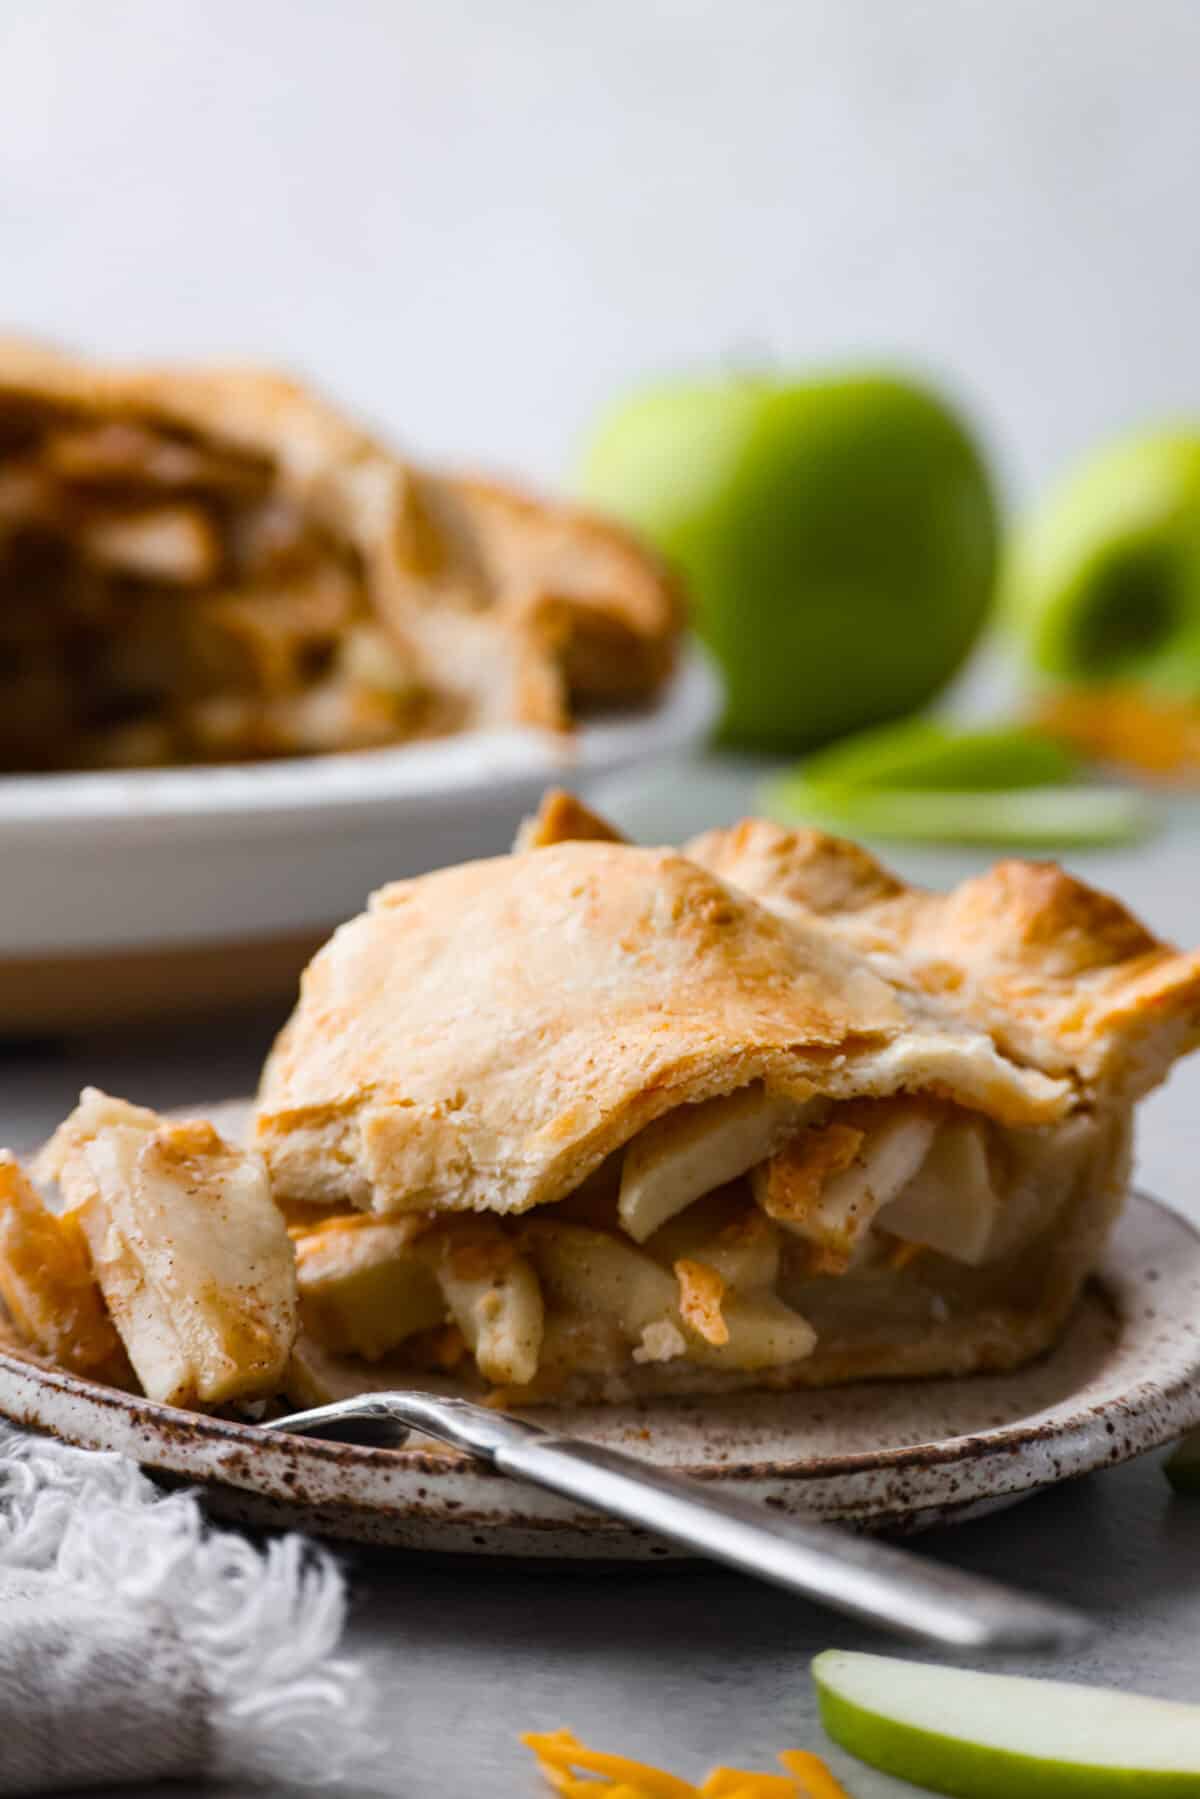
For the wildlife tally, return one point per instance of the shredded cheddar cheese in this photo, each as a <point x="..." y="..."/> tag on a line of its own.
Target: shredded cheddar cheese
<point x="561" y="1750"/>
<point x="576" y="1772"/>
<point x="740" y="1783"/>
<point x="701" y="1291"/>
<point x="796" y="1176"/>
<point x="815" y="1779"/>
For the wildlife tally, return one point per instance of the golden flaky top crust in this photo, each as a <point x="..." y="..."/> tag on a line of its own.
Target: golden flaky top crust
<point x="1062" y="976"/>
<point x="484" y="1036"/>
<point x="493" y="608"/>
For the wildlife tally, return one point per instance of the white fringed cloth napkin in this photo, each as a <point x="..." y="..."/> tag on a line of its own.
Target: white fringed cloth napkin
<point x="138" y="1644"/>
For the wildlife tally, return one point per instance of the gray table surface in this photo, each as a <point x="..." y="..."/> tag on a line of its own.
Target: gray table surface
<point x="690" y="1665"/>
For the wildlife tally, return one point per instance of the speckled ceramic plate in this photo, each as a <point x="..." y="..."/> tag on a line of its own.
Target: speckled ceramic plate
<point x="896" y="1456"/>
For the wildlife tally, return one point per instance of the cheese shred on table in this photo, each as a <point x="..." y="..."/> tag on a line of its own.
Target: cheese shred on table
<point x="577" y="1772"/>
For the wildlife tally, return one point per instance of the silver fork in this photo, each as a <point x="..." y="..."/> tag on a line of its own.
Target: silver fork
<point x="861" y="1576"/>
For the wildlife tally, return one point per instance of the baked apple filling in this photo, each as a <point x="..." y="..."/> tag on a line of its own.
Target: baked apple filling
<point x="701" y="1242"/>
<point x="167" y="601"/>
<point x="166" y="1264"/>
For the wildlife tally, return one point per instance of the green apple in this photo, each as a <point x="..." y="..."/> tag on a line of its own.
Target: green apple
<point x="838" y="539"/>
<point x="1103" y="579"/>
<point x="1000" y="1736"/>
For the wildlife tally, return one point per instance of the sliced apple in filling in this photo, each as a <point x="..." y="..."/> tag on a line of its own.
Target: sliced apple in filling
<point x="874" y="1184"/>
<point x="363" y="1288"/>
<point x="728" y="1234"/>
<point x="201" y="1225"/>
<point x="93" y="1182"/>
<point x="828" y="1184"/>
<point x="493" y="1296"/>
<point x="47" y="1282"/>
<point x="758" y="1329"/>
<point x="704" y="1312"/>
<point x="590" y="1273"/>
<point x="95" y="1112"/>
<point x="675" y="1249"/>
<point x="763" y="1332"/>
<point x="1039" y="1170"/>
<point x="369" y="1284"/>
<point x="190" y="1253"/>
<point x="950" y="1205"/>
<point x="697" y="1148"/>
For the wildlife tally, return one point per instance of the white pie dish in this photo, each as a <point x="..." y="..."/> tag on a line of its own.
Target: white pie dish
<point x="146" y="891"/>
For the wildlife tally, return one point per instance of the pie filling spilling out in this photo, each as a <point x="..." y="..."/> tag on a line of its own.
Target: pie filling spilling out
<point x="594" y="1122"/>
<point x="211" y="566"/>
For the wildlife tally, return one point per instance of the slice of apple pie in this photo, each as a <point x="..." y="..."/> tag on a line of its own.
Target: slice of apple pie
<point x="209" y="565"/>
<point x="592" y="1121"/>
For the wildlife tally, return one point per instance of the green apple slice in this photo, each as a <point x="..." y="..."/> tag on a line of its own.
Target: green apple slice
<point x="995" y="1736"/>
<point x="1019" y="818"/>
<point x="1182" y="1466"/>
<point x="923" y="753"/>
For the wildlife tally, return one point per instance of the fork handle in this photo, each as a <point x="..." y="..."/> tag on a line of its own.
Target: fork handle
<point x="858" y="1575"/>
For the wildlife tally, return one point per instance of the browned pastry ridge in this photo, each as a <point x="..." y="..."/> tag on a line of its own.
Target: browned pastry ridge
<point x="1061" y="976"/>
<point x="757" y="1114"/>
<point x="206" y="565"/>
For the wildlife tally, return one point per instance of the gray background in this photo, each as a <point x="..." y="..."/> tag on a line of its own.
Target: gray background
<point x="477" y="218"/>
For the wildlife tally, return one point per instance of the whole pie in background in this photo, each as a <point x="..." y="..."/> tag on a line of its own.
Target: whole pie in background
<point x="213" y="565"/>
